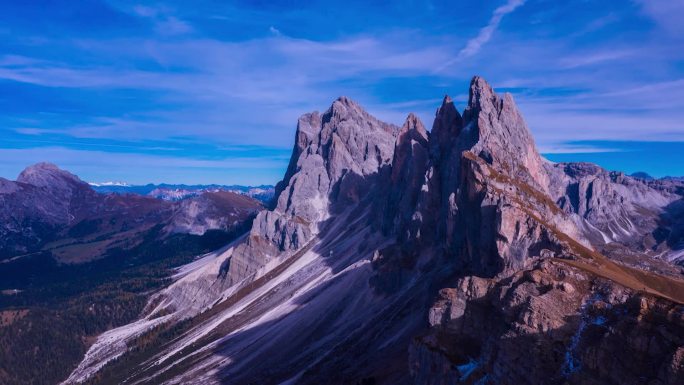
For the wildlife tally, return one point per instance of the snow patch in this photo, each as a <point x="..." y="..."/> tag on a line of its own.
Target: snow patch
<point x="104" y="184"/>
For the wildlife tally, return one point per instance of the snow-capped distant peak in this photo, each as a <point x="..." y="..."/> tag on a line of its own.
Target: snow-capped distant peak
<point x="122" y="184"/>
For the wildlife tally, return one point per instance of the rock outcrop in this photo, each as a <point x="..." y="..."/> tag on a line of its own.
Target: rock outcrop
<point x="549" y="325"/>
<point x="484" y="179"/>
<point x="512" y="214"/>
<point x="620" y="208"/>
<point x="400" y="210"/>
<point x="337" y="157"/>
<point x="219" y="210"/>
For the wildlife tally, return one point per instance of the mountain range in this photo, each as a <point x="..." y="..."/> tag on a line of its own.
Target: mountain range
<point x="47" y="208"/>
<point x="75" y="263"/>
<point x="173" y="192"/>
<point x="398" y="255"/>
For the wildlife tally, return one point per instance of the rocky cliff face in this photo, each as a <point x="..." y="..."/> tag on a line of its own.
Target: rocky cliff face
<point x="336" y="160"/>
<point x="402" y="256"/>
<point x="620" y="208"/>
<point x="401" y="213"/>
<point x="513" y="213"/>
<point x="483" y="178"/>
<point x="219" y="210"/>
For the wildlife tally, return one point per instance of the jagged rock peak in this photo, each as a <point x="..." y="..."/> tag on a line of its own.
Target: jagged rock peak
<point x="352" y="139"/>
<point x="47" y="175"/>
<point x="480" y="92"/>
<point x="413" y="138"/>
<point x="344" y="108"/>
<point x="499" y="134"/>
<point x="337" y="157"/>
<point x="641" y="175"/>
<point x="343" y="105"/>
<point x="447" y="116"/>
<point x="346" y="101"/>
<point x="446" y="127"/>
<point x="582" y="169"/>
<point x="411" y="157"/>
<point x="413" y="128"/>
<point x="346" y="138"/>
<point x="41" y="167"/>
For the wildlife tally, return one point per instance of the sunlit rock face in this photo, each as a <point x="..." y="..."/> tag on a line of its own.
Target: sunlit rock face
<point x="336" y="160"/>
<point x="401" y="256"/>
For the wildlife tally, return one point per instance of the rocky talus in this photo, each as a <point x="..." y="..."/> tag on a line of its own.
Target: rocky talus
<point x="401" y="256"/>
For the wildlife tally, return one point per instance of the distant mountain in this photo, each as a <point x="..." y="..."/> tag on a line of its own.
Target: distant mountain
<point x="75" y="263"/>
<point x="674" y="178"/>
<point x="51" y="209"/>
<point x="109" y="184"/>
<point x="641" y="175"/>
<point x="174" y="192"/>
<point x="394" y="255"/>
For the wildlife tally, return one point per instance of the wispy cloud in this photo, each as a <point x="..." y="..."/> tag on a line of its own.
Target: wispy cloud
<point x="298" y="60"/>
<point x="474" y="45"/>
<point x="586" y="59"/>
<point x="281" y="76"/>
<point x="165" y="22"/>
<point x="666" y="13"/>
<point x="570" y="148"/>
<point x="202" y="78"/>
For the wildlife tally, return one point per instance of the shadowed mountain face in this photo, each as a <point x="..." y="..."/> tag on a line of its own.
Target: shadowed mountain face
<point x="397" y="256"/>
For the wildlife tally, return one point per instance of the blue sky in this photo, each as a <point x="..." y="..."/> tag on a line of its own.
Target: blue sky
<point x="210" y="91"/>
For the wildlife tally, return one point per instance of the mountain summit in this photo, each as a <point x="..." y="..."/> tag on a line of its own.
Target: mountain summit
<point x="46" y="175"/>
<point x="397" y="256"/>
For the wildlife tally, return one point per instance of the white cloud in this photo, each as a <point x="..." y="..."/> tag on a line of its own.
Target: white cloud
<point x="31" y="131"/>
<point x="252" y="91"/>
<point x="565" y="148"/>
<point x="552" y="125"/>
<point x="280" y="77"/>
<point x="474" y="45"/>
<point x="593" y="58"/>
